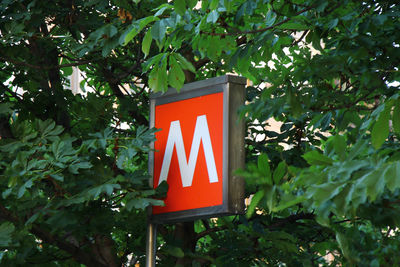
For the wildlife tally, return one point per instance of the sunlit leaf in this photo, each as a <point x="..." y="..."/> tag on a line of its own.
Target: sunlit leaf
<point x="146" y="43"/>
<point x="380" y="131"/>
<point x="316" y="158"/>
<point x="180" y="6"/>
<point x="254" y="202"/>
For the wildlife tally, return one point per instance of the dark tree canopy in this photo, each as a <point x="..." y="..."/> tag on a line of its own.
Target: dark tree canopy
<point x="324" y="181"/>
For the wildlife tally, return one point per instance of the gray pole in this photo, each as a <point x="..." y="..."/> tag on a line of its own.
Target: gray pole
<point x="151" y="244"/>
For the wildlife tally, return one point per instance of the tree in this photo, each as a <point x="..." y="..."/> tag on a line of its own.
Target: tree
<point x="73" y="167"/>
<point x="326" y="183"/>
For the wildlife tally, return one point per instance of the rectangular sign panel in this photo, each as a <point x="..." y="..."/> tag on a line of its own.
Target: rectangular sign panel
<point x="198" y="147"/>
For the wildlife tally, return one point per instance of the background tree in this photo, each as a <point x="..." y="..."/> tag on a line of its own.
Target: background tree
<point x="73" y="180"/>
<point x="73" y="167"/>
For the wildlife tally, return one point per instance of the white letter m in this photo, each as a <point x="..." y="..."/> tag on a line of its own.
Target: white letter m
<point x="202" y="133"/>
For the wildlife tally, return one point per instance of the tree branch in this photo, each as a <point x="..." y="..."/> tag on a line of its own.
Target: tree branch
<point x="47" y="237"/>
<point x="291" y="219"/>
<point x="21" y="63"/>
<point x="263" y="29"/>
<point x="352" y="105"/>
<point x="210" y="230"/>
<point x="278" y="223"/>
<point x="14" y="94"/>
<point x="301" y="38"/>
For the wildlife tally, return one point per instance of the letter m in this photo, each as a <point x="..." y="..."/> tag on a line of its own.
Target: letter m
<point x="201" y="133"/>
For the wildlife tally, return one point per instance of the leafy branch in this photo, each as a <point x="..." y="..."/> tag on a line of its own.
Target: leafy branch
<point x="21" y="63"/>
<point x="50" y="238"/>
<point x="262" y="29"/>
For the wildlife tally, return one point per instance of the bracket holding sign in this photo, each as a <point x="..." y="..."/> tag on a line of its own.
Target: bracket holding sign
<point x="199" y="146"/>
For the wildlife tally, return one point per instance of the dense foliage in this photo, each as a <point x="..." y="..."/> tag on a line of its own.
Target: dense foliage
<point x="324" y="183"/>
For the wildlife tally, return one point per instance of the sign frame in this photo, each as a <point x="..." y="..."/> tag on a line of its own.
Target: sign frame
<point x="233" y="89"/>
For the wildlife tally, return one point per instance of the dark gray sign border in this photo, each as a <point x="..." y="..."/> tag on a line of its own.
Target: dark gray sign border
<point x="233" y="88"/>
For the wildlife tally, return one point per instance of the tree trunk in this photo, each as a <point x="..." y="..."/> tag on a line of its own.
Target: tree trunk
<point x="184" y="232"/>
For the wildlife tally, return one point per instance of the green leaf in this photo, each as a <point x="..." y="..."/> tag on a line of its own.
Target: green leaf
<point x="213" y="4"/>
<point x="6" y="108"/>
<point x="374" y="182"/>
<point x="254" y="202"/>
<point x="279" y="172"/>
<point x="380" y="131"/>
<point x="161" y="9"/>
<point x="332" y="23"/>
<point x="158" y="79"/>
<point x="110" y="30"/>
<point x="67" y="71"/>
<point x="270" y="197"/>
<point x="137" y="27"/>
<point x="180" y="7"/>
<point x="184" y="62"/>
<point x="46" y="127"/>
<point x="293" y="26"/>
<point x="322" y="213"/>
<point x="349" y="166"/>
<point x="270" y="18"/>
<point x="344" y="245"/>
<point x="142" y="203"/>
<point x="357" y="148"/>
<point x="375" y="263"/>
<point x="6" y="193"/>
<point x="341" y="202"/>
<point x="176" y="77"/>
<point x="79" y="165"/>
<point x="57" y="149"/>
<point x="22" y="189"/>
<point x="295" y="104"/>
<point x="316" y="41"/>
<point x="146" y="43"/>
<point x="392" y="177"/>
<point x="32" y="219"/>
<point x="6" y="229"/>
<point x="162" y="189"/>
<point x="104" y="188"/>
<point x="95" y="192"/>
<point x="159" y="30"/>
<point x="281" y="235"/>
<point x="155" y="60"/>
<point x="264" y="168"/>
<point x="339" y="145"/>
<point x="130" y="35"/>
<point x="321" y="193"/>
<point x="191" y="3"/>
<point x="108" y="188"/>
<point x="357" y="195"/>
<point x="213" y="16"/>
<point x="316" y="158"/>
<point x="57" y="177"/>
<point x="286" y="204"/>
<point x="396" y="117"/>
<point x="175" y="251"/>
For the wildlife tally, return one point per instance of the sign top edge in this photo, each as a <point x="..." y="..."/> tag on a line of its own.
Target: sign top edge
<point x="229" y="78"/>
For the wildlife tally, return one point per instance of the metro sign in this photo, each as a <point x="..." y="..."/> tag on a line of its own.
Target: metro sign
<point x="198" y="147"/>
<point x="201" y="133"/>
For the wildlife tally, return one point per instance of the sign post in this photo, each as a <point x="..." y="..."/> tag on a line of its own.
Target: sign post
<point x="151" y="241"/>
<point x="199" y="146"/>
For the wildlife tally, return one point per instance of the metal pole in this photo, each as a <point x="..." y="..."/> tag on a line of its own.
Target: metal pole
<point x="151" y="243"/>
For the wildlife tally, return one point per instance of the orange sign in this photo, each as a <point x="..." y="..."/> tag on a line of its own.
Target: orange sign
<point x="199" y="147"/>
<point x="189" y="152"/>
